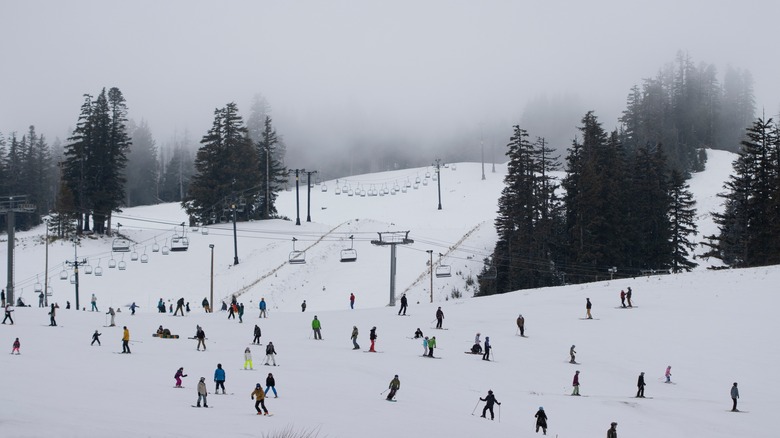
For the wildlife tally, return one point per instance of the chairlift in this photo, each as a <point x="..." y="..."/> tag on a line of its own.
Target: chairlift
<point x="443" y="271"/>
<point x="134" y="255"/>
<point x="297" y="257"/>
<point x="407" y="183"/>
<point x="88" y="269"/>
<point x="324" y="188"/>
<point x="49" y="291"/>
<point x="350" y="193"/>
<point x="427" y="174"/>
<point x="446" y="165"/>
<point x="338" y="190"/>
<point x="111" y="263"/>
<point x="453" y="167"/>
<point x="98" y="270"/>
<point x="349" y="254"/>
<point x="345" y="188"/>
<point x="435" y="176"/>
<point x="122" y="264"/>
<point x="155" y="247"/>
<point x="363" y="193"/>
<point x="73" y="279"/>
<point x="120" y="245"/>
<point x="144" y="257"/>
<point x="392" y="192"/>
<point x="425" y="182"/>
<point x="416" y="186"/>
<point x="165" y="249"/>
<point x="386" y="190"/>
<point x="490" y="274"/>
<point x="417" y="180"/>
<point x="204" y="231"/>
<point x="403" y="189"/>
<point x="63" y="274"/>
<point x="38" y="288"/>
<point x="180" y="243"/>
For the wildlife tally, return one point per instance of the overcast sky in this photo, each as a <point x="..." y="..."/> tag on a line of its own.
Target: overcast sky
<point x="335" y="71"/>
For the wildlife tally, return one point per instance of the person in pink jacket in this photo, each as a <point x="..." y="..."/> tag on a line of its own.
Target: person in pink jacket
<point x="576" y="383"/>
<point x="668" y="374"/>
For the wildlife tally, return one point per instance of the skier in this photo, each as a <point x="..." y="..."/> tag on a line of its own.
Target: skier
<point x="219" y="378"/>
<point x="179" y="307"/>
<point x="125" y="340"/>
<point x="40" y="300"/>
<point x="95" y="338"/>
<point x="418" y="333"/>
<point x="588" y="305"/>
<point x="316" y="326"/>
<point x="372" y="338"/>
<point x="94" y="303"/>
<point x="52" y="313"/>
<point x="640" y="384"/>
<point x="576" y="383"/>
<point x="112" y="313"/>
<point x="303" y="306"/>
<point x="541" y="420"/>
<point x="16" y="346"/>
<point x="179" y="374"/>
<point x="247" y="358"/>
<point x="270" y="383"/>
<point x="668" y="374"/>
<point x="205" y="304"/>
<point x="232" y="311"/>
<point x="259" y="396"/>
<point x="241" y="313"/>
<point x="354" y="337"/>
<point x="489" y="400"/>
<point x="351" y="301"/>
<point x="395" y="385"/>
<point x="425" y="346"/>
<point x="486" y="355"/>
<point x="734" y="397"/>
<point x="256" y="340"/>
<point x="521" y="324"/>
<point x="612" y="432"/>
<point x="439" y="317"/>
<point x="262" y="308"/>
<point x="628" y="296"/>
<point x="431" y="345"/>
<point x="270" y="352"/>
<point x="571" y="354"/>
<point x="132" y="308"/>
<point x="623" y="298"/>
<point x="8" y="311"/>
<point x="201" y="336"/>
<point x="404" y="304"/>
<point x="202" y="392"/>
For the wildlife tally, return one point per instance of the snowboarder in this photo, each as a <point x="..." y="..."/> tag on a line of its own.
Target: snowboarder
<point x="256" y="340"/>
<point x="132" y="308"/>
<point x="425" y="346"/>
<point x="262" y="308"/>
<point x="372" y="338"/>
<point x="571" y="354"/>
<point x="588" y="305"/>
<point x="95" y="338"/>
<point x="623" y="298"/>
<point x="8" y="311"/>
<point x="202" y="393"/>
<point x="52" y="313"/>
<point x="303" y="306"/>
<point x="247" y="358"/>
<point x="201" y="337"/>
<point x="94" y="303"/>
<point x="179" y="374"/>
<point x="628" y="296"/>
<point x="241" y="313"/>
<point x="219" y="378"/>
<point x="418" y="333"/>
<point x="316" y="326"/>
<point x="668" y="374"/>
<point x="521" y="324"/>
<point x="125" y="340"/>
<point x="270" y="383"/>
<point x="404" y="304"/>
<point x="395" y="385"/>
<point x="439" y="318"/>
<point x="486" y="355"/>
<point x="576" y="383"/>
<point x="541" y="420"/>
<point x="351" y="301"/>
<point x="489" y="400"/>
<point x="259" y="396"/>
<point x="232" y="311"/>
<point x="16" y="346"/>
<point x="179" y="307"/>
<point x="476" y="349"/>
<point x="734" y="397"/>
<point x="640" y="384"/>
<point x="40" y="300"/>
<point x="205" y="304"/>
<point x="354" y="337"/>
<point x="112" y="313"/>
<point x="431" y="345"/>
<point x="612" y="432"/>
<point x="270" y="352"/>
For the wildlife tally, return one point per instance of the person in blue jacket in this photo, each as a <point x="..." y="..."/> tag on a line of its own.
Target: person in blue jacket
<point x="262" y="308"/>
<point x="219" y="377"/>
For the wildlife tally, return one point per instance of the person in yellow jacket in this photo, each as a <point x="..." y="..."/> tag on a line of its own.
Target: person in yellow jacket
<point x="258" y="395"/>
<point x="126" y="340"/>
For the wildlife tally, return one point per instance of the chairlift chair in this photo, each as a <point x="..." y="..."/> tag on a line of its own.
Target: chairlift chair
<point x="324" y="188"/>
<point x="38" y="288"/>
<point x="490" y="273"/>
<point x="204" y="231"/>
<point x="155" y="247"/>
<point x="122" y="265"/>
<point x="134" y="255"/>
<point x="435" y="176"/>
<point x="88" y="269"/>
<point x="351" y="193"/>
<point x="165" y="249"/>
<point x="443" y="271"/>
<point x="144" y="257"/>
<point x="427" y="174"/>
<point x="111" y="263"/>
<point x="349" y="254"/>
<point x="98" y="270"/>
<point x="180" y="243"/>
<point x="338" y="190"/>
<point x="120" y="245"/>
<point x="416" y="186"/>
<point x="425" y="182"/>
<point x="297" y="257"/>
<point x="49" y="291"/>
<point x="453" y="167"/>
<point x="73" y="279"/>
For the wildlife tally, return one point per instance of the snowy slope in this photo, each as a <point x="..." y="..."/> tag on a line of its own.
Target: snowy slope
<point x="704" y="324"/>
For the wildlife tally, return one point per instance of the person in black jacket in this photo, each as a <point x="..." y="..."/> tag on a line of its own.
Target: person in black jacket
<point x="404" y="303"/>
<point x="439" y="317"/>
<point x="640" y="384"/>
<point x="541" y="420"/>
<point x="179" y="307"/>
<point x="489" y="400"/>
<point x="372" y="338"/>
<point x="270" y="383"/>
<point x="256" y="340"/>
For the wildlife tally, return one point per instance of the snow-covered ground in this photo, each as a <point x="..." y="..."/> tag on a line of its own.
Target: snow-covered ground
<point x="712" y="327"/>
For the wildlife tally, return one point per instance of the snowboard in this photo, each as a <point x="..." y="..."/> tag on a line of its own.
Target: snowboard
<point x="429" y="357"/>
<point x="573" y="363"/>
<point x="195" y="406"/>
<point x="266" y="415"/>
<point x="621" y="307"/>
<point x="368" y="351"/>
<point x="441" y="328"/>
<point x="649" y="398"/>
<point x="391" y="400"/>
<point x="594" y="319"/>
<point x="737" y="411"/>
<point x="155" y="335"/>
<point x="179" y="387"/>
<point x="468" y="352"/>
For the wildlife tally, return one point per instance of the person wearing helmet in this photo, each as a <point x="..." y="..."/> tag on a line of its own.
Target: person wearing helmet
<point x="541" y="420"/>
<point x="395" y="385"/>
<point x="258" y="395"/>
<point x="489" y="400"/>
<point x="612" y="432"/>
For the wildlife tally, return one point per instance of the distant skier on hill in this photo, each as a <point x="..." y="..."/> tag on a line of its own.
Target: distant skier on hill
<point x="612" y="432"/>
<point x="640" y="384"/>
<point x="372" y="337"/>
<point x="541" y="420"/>
<point x="521" y="324"/>
<point x="200" y="335"/>
<point x="257" y="334"/>
<point x="668" y="374"/>
<point x="112" y="314"/>
<point x="15" y="346"/>
<point x="425" y="346"/>
<point x="576" y="383"/>
<point x="161" y="306"/>
<point x="623" y="298"/>
<point x="95" y="338"/>
<point x="439" y="318"/>
<point x="247" y="358"/>
<point x="270" y="383"/>
<point x="262" y="306"/>
<point x="303" y="306"/>
<point x="241" y="313"/>
<point x="431" y="345"/>
<point x="219" y="379"/>
<point x="351" y="301"/>
<point x="125" y="340"/>
<point x="588" y="306"/>
<point x="354" y="337"/>
<point x="178" y="376"/>
<point x="8" y="311"/>
<point x="94" y="304"/>
<point x="179" y="307"/>
<point x="395" y="385"/>
<point x="628" y="296"/>
<point x="734" y="397"/>
<point x="202" y="392"/>
<point x="404" y="304"/>
<point x="270" y="352"/>
<point x="232" y="311"/>
<point x="418" y="333"/>
<point x="132" y="308"/>
<point x="316" y="326"/>
<point x="571" y="354"/>
<point x="489" y="400"/>
<point x="52" y="313"/>
<point x="205" y="304"/>
<point x="488" y="347"/>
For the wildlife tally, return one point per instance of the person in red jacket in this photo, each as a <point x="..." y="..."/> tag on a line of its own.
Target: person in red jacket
<point x="16" y="346"/>
<point x="351" y="301"/>
<point x="576" y="383"/>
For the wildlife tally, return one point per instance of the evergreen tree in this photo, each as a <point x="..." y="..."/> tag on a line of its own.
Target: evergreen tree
<point x="682" y="218"/>
<point x="271" y="168"/>
<point x="177" y="175"/>
<point x="142" y="167"/>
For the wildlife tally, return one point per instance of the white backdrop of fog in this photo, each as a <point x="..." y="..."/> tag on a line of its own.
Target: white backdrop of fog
<point x="344" y="75"/>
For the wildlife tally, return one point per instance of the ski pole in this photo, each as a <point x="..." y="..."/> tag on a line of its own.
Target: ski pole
<point x="475" y="407"/>
<point x="384" y="391"/>
<point x="499" y="413"/>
